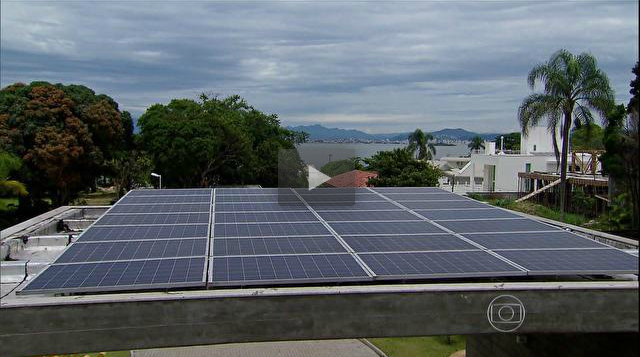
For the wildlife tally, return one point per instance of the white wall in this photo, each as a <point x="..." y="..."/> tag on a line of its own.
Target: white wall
<point x="507" y="168"/>
<point x="540" y="139"/>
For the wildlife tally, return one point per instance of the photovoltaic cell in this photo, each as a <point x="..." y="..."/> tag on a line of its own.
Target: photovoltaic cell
<point x="578" y="261"/>
<point x="399" y="243"/>
<point x="266" y="217"/>
<point x="457" y="214"/>
<point x="178" y="218"/>
<point x="252" y="191"/>
<point x="130" y="250"/>
<point x="535" y="240"/>
<point x="170" y="192"/>
<point x="275" y="246"/>
<point x="285" y="269"/>
<point x="161" y="208"/>
<point x="347" y="228"/>
<point x="126" y="275"/>
<point x="356" y="216"/>
<point x="269" y="229"/>
<point x="356" y="206"/>
<point x="507" y="225"/>
<point x="164" y="199"/>
<point x="424" y="196"/>
<point x="438" y="264"/>
<point x="257" y="198"/>
<point x="443" y="204"/>
<point x="244" y="207"/>
<point x="144" y="232"/>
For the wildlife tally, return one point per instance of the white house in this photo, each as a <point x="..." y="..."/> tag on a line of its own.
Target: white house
<point x="496" y="170"/>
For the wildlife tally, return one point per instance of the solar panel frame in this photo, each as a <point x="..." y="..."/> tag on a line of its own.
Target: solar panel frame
<point x="291" y="245"/>
<point x="79" y="253"/>
<point x="281" y="229"/>
<point x="533" y="240"/>
<point x="519" y="257"/>
<point x="407" y="243"/>
<point x="29" y="288"/>
<point x="349" y="245"/>
<point x="213" y="281"/>
<point x="421" y="274"/>
<point x="152" y="219"/>
<point x="265" y="217"/>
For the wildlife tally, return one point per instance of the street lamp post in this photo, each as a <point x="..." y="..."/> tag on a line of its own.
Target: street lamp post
<point x="159" y="177"/>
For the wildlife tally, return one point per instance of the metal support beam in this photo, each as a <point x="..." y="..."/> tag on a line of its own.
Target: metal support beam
<point x="52" y="325"/>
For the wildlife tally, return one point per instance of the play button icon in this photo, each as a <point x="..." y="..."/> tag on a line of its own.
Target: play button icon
<point x="316" y="178"/>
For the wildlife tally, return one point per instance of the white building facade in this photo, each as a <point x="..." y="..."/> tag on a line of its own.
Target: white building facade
<point x="496" y="171"/>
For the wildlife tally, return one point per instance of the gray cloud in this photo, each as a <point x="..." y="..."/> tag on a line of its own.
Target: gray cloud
<point x="376" y="66"/>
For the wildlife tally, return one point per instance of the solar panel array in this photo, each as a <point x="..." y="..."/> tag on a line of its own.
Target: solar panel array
<point x="149" y="239"/>
<point x="158" y="239"/>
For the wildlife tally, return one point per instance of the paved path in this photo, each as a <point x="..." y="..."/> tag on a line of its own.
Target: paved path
<point x="325" y="348"/>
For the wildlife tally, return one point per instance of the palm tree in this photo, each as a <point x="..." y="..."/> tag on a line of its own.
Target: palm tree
<point x="8" y="187"/>
<point x="573" y="86"/>
<point x="419" y="145"/>
<point x="476" y="144"/>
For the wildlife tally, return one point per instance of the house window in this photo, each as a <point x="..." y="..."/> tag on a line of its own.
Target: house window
<point x="527" y="167"/>
<point x="534" y="147"/>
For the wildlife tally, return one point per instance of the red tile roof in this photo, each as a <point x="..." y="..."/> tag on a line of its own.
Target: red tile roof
<point x="355" y="178"/>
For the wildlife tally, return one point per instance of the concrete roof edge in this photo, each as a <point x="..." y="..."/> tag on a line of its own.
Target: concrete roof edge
<point x="32" y="301"/>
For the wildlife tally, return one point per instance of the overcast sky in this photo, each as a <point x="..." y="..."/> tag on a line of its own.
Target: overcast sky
<point x="375" y="66"/>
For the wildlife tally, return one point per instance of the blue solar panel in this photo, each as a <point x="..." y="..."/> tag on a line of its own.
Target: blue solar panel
<point x="125" y="275"/>
<point x="355" y="216"/>
<point x="457" y="214"/>
<point x="347" y="228"/>
<point x="157" y="239"/>
<point x="285" y="269"/>
<point x="521" y="240"/>
<point x="252" y="191"/>
<point x="246" y="207"/>
<point x="576" y="261"/>
<point x="257" y="198"/>
<point x="162" y="208"/>
<point x="399" y="243"/>
<point x="165" y="218"/>
<point x="164" y="199"/>
<point x="434" y="196"/>
<point x="377" y="206"/>
<point x="504" y="225"/>
<point x="266" y="217"/>
<point x="443" y="204"/>
<point x="269" y="229"/>
<point x="438" y="264"/>
<point x="130" y="250"/>
<point x="144" y="232"/>
<point x="274" y="246"/>
<point x="170" y="192"/>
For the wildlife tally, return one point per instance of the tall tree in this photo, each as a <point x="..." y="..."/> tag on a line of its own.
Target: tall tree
<point x="572" y="87"/>
<point x="12" y="188"/>
<point x="420" y="145"/>
<point x="399" y="167"/>
<point x="511" y="141"/>
<point x="476" y="144"/>
<point x="214" y="141"/>
<point x="63" y="134"/>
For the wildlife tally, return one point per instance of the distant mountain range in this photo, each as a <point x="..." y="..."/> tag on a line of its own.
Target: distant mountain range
<point x="319" y="132"/>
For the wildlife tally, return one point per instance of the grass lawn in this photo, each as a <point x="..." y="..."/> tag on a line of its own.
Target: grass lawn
<point x="100" y="198"/>
<point x="433" y="346"/>
<point x="535" y="209"/>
